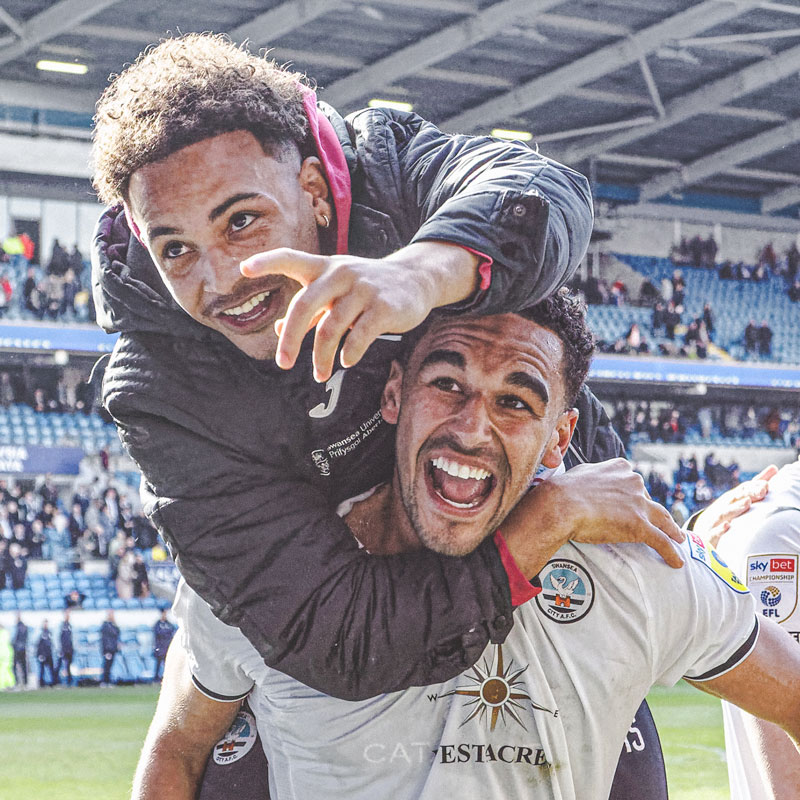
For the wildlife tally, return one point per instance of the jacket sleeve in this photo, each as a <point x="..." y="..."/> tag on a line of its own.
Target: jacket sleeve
<point x="529" y="214"/>
<point x="266" y="552"/>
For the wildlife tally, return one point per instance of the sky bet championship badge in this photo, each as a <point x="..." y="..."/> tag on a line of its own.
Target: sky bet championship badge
<point x="773" y="581"/>
<point x="567" y="591"/>
<point x="700" y="551"/>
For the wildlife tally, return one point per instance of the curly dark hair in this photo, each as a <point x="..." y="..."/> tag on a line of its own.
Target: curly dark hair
<point x="187" y="89"/>
<point x="564" y="313"/>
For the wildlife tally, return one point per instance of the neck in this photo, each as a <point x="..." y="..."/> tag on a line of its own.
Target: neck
<point x="381" y="524"/>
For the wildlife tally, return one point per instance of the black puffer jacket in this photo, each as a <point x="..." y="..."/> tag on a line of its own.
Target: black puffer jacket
<point x="241" y="478"/>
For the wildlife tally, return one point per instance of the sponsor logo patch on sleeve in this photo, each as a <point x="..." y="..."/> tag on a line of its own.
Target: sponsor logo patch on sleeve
<point x="700" y="551"/>
<point x="773" y="579"/>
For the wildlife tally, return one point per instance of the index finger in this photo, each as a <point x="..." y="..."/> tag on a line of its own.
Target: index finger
<point x="295" y="264"/>
<point x="767" y="473"/>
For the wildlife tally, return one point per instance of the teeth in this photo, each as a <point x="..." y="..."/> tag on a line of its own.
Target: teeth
<point x="248" y="306"/>
<point x="460" y="470"/>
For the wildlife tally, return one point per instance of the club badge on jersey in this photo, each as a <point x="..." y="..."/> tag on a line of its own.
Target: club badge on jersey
<point x="773" y="580"/>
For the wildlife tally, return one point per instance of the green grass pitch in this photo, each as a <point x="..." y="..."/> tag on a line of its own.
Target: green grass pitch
<point x="76" y="744"/>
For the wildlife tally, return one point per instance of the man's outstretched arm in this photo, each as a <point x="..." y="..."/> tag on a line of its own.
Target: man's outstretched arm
<point x="767" y="683"/>
<point x="185" y="728"/>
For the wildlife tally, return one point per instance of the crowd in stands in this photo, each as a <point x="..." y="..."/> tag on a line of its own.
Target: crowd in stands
<point x="60" y="292"/>
<point x="72" y="527"/>
<point x="658" y="421"/>
<point x="69" y="392"/>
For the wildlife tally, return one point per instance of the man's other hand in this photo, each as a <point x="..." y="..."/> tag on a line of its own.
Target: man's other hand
<point x="715" y="520"/>
<point x="597" y="503"/>
<point x="362" y="298"/>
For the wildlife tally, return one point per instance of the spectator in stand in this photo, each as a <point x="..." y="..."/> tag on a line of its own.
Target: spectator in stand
<point x="709" y="252"/>
<point x="767" y="259"/>
<point x="65" y="651"/>
<point x="706" y="421"/>
<point x="672" y="318"/>
<point x="4" y="562"/>
<point x="70" y="288"/>
<point x="76" y="524"/>
<point x="696" y="251"/>
<point x="750" y="423"/>
<point x="163" y="631"/>
<point x="702" y="494"/>
<point x="708" y="318"/>
<point x="657" y="487"/>
<point x="20" y="645"/>
<point x="772" y="424"/>
<point x="125" y="575"/>
<point x="18" y="565"/>
<point x="679" y="509"/>
<point x="7" y="288"/>
<point x="109" y="646"/>
<point x="751" y="338"/>
<point x="794" y="291"/>
<point x="679" y="253"/>
<point x="678" y="288"/>
<point x="7" y="394"/>
<point x="74" y="599"/>
<point x="30" y="300"/>
<point x="141" y="585"/>
<point x="38" y="541"/>
<point x="619" y="293"/>
<point x="54" y="293"/>
<point x="44" y="655"/>
<point x="765" y="340"/>
<point x="726" y="270"/>
<point x="59" y="260"/>
<point x="648" y="294"/>
<point x="792" y="262"/>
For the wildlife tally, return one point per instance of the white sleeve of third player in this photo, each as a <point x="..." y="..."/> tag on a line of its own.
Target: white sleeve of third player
<point x="702" y="618"/>
<point x="213" y="648"/>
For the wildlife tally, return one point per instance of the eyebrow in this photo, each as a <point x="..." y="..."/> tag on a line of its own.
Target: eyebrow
<point x="451" y="357"/>
<point x="226" y="204"/>
<point x="526" y="381"/>
<point x="216" y="212"/>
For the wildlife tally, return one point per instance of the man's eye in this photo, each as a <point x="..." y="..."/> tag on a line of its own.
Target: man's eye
<point x="174" y="250"/>
<point x="446" y="385"/>
<point x="241" y="220"/>
<point x="513" y="403"/>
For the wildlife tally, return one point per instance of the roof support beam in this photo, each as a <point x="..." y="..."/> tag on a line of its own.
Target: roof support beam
<point x="715" y="163"/>
<point x="651" y="86"/>
<point x="601" y="62"/>
<point x="62" y="17"/>
<point x="780" y="199"/>
<point x="269" y="26"/>
<point x="704" y="100"/>
<point x="433" y="49"/>
<point x="43" y="96"/>
<point x="12" y="22"/>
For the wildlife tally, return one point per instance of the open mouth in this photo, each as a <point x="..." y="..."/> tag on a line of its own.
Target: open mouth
<point x="461" y="486"/>
<point x="252" y="312"/>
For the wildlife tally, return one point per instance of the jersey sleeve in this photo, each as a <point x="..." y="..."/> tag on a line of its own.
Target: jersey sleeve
<point x="211" y="647"/>
<point x="702" y="617"/>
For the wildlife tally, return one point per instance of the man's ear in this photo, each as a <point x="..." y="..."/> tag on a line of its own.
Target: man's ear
<point x="314" y="183"/>
<point x="560" y="439"/>
<point x="390" y="399"/>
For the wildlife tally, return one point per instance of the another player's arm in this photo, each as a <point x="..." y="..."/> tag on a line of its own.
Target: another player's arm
<point x="597" y="503"/>
<point x="779" y="764"/>
<point x="185" y="728"/>
<point x="767" y="683"/>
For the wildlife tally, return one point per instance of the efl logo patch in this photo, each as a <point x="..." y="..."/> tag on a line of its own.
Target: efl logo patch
<point x="238" y="741"/>
<point x="567" y="591"/>
<point x="773" y="579"/>
<point x="700" y="551"/>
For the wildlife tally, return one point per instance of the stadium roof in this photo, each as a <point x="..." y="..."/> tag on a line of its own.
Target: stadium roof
<point x="669" y="100"/>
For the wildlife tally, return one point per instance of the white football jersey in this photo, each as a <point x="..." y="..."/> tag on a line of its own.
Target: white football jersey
<point x="764" y="546"/>
<point x="541" y="716"/>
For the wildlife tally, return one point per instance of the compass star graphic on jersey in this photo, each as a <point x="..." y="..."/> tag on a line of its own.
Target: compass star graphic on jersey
<point x="497" y="693"/>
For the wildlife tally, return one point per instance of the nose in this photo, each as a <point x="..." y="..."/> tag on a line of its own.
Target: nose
<point x="472" y="424"/>
<point x="217" y="271"/>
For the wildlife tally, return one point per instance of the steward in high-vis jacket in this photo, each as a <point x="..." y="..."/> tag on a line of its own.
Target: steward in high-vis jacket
<point x="243" y="463"/>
